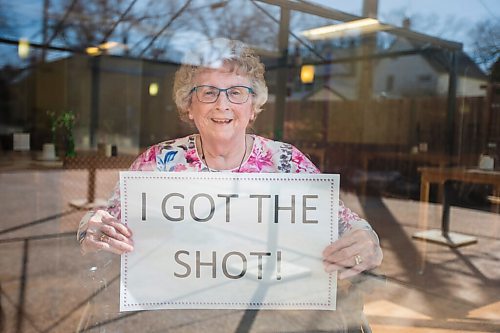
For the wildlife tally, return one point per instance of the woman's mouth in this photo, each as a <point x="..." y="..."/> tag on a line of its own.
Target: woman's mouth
<point x="221" y="120"/>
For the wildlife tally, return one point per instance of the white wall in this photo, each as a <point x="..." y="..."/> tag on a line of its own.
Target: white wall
<point x="407" y="72"/>
<point x="466" y="86"/>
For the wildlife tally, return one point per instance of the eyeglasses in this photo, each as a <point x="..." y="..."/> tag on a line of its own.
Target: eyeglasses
<point x="235" y="94"/>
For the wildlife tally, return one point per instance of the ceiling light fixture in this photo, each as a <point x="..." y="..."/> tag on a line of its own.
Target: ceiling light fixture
<point x="23" y="49"/>
<point x="97" y="50"/>
<point x="329" y="31"/>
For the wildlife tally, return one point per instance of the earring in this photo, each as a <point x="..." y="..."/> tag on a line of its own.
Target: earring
<point x="190" y="116"/>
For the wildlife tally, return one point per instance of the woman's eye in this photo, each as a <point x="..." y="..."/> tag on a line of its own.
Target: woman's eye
<point x="235" y="92"/>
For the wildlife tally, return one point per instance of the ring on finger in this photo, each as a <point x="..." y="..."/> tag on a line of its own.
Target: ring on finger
<point x="104" y="238"/>
<point x="357" y="259"/>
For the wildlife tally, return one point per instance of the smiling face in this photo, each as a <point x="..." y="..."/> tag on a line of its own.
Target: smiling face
<point x="221" y="121"/>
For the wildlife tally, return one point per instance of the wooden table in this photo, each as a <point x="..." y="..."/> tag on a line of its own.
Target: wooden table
<point x="92" y="163"/>
<point x="443" y="176"/>
<point x="420" y="159"/>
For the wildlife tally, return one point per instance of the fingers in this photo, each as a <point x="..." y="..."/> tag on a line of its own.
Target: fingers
<point x="354" y="253"/>
<point x="340" y="244"/>
<point x="112" y="244"/>
<point x="101" y="240"/>
<point x="114" y="234"/>
<point x="123" y="229"/>
<point x="94" y="243"/>
<point x="343" y="256"/>
<point x="106" y="233"/>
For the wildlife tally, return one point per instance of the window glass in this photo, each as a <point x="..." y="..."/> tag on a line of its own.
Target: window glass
<point x="400" y="99"/>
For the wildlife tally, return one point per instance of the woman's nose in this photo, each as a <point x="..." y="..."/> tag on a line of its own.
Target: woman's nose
<point x="223" y="102"/>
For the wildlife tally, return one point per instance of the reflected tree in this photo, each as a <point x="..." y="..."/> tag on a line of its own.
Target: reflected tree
<point x="79" y="24"/>
<point x="235" y="19"/>
<point x="146" y="28"/>
<point x="486" y="45"/>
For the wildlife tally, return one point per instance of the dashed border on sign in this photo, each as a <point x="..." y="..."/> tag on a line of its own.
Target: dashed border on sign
<point x="233" y="177"/>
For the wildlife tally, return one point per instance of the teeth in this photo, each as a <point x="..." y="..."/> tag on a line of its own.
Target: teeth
<point x="222" y="121"/>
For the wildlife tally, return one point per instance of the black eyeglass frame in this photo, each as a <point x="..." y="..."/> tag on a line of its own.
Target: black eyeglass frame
<point x="250" y="90"/>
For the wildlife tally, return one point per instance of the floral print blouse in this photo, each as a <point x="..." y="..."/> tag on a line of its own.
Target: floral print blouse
<point x="180" y="155"/>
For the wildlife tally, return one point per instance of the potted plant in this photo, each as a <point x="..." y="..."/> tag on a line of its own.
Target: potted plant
<point x="62" y="124"/>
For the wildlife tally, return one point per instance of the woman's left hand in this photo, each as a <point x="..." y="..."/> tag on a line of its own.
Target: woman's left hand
<point x="355" y="252"/>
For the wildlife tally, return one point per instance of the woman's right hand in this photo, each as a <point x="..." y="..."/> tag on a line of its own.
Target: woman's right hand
<point x="104" y="232"/>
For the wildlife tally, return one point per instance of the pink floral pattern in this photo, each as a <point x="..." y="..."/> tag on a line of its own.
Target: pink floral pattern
<point x="266" y="156"/>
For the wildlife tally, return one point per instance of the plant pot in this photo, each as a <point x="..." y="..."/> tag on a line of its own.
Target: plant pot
<point x="48" y="152"/>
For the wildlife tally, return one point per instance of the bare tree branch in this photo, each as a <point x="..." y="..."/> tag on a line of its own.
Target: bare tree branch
<point x="165" y="27"/>
<point x="486" y="45"/>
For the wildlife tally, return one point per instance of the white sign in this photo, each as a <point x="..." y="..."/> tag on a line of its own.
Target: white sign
<point x="228" y="240"/>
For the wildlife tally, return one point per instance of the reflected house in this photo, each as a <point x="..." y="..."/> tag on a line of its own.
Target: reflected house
<point x="409" y="105"/>
<point x="422" y="74"/>
<point x="423" y="79"/>
<point x="420" y="78"/>
<point x="425" y="73"/>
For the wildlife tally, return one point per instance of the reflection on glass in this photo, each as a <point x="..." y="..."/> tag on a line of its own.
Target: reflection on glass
<point x="153" y="89"/>
<point x="344" y="29"/>
<point x="399" y="113"/>
<point x="24" y="48"/>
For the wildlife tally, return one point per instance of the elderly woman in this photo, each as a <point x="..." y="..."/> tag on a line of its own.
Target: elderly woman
<point x="222" y="97"/>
